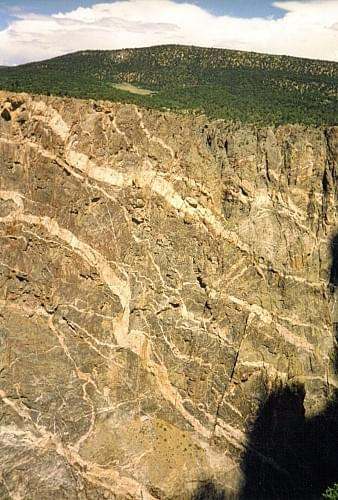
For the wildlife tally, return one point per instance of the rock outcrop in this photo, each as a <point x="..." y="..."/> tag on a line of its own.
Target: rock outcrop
<point x="161" y="275"/>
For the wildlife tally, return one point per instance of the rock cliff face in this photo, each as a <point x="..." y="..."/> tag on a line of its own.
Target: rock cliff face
<point x="161" y="276"/>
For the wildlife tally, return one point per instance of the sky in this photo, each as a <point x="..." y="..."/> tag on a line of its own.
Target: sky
<point x="32" y="30"/>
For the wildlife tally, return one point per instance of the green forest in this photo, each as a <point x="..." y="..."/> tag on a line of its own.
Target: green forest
<point x="224" y="84"/>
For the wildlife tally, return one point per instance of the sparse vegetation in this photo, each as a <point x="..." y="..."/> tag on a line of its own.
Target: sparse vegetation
<point x="128" y="87"/>
<point x="331" y="493"/>
<point x="220" y="83"/>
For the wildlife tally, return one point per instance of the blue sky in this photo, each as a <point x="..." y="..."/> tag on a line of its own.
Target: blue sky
<point x="238" y="8"/>
<point x="41" y="29"/>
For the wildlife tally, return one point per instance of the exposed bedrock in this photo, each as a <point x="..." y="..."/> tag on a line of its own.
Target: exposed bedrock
<point x="168" y="290"/>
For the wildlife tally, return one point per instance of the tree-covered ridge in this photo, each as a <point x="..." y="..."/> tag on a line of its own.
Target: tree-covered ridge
<point x="222" y="83"/>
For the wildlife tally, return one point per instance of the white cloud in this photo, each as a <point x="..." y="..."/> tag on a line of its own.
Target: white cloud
<point x="307" y="29"/>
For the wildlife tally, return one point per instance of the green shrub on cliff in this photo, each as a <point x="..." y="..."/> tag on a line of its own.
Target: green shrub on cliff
<point x="331" y="493"/>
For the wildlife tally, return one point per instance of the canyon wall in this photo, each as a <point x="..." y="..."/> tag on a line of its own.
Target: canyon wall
<point x="161" y="277"/>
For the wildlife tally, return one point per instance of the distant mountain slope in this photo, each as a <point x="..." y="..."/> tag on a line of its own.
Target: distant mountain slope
<point x="222" y="83"/>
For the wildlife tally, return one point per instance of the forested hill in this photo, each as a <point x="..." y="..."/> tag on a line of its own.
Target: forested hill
<point x="221" y="83"/>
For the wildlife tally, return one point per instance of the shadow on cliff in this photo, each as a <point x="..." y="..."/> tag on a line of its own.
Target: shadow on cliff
<point x="290" y="457"/>
<point x="334" y="266"/>
<point x="208" y="491"/>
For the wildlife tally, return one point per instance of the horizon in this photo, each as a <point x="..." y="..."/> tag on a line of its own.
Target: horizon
<point x="168" y="45"/>
<point x="34" y="31"/>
